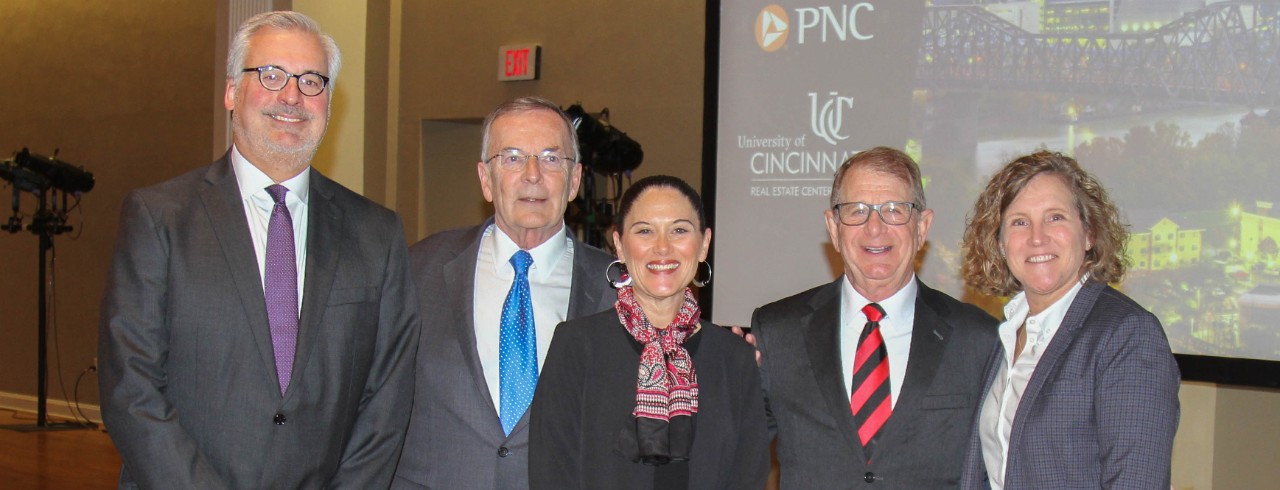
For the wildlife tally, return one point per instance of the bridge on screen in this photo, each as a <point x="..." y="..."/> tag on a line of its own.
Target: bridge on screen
<point x="1224" y="52"/>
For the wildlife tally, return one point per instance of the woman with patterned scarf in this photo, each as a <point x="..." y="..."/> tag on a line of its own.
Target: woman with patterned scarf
<point x="647" y="395"/>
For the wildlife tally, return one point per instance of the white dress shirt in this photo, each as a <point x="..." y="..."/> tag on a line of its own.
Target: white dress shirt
<point x="550" y="278"/>
<point x="895" y="328"/>
<point x="1001" y="404"/>
<point x="258" y="205"/>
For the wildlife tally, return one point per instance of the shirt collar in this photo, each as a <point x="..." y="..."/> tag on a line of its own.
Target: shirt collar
<point x="252" y="181"/>
<point x="545" y="256"/>
<point x="1047" y="321"/>
<point x="896" y="307"/>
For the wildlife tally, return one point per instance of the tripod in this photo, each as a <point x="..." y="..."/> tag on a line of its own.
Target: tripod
<point x="47" y="222"/>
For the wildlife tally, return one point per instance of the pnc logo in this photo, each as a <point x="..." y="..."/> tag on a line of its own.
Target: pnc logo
<point x="827" y="118"/>
<point x="772" y="26"/>
<point x="812" y="24"/>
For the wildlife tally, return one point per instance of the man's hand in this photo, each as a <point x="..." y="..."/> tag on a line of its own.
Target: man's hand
<point x="751" y="339"/>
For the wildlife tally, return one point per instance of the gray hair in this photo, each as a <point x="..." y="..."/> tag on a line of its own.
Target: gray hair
<point x="884" y="160"/>
<point x="527" y="104"/>
<point x="287" y="21"/>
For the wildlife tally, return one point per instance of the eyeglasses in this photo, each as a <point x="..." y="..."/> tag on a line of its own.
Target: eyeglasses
<point x="513" y="160"/>
<point x="856" y="213"/>
<point x="274" y="79"/>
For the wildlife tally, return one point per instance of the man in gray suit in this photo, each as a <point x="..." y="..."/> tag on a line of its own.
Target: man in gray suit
<point x="259" y="325"/>
<point x="467" y="430"/>
<point x="876" y="396"/>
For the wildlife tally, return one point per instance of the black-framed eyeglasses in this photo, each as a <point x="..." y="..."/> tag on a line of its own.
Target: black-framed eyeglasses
<point x="274" y="78"/>
<point x="514" y="159"/>
<point x="856" y="213"/>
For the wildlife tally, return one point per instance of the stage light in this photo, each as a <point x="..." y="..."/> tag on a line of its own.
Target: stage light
<point x="57" y="173"/>
<point x="21" y="178"/>
<point x="605" y="149"/>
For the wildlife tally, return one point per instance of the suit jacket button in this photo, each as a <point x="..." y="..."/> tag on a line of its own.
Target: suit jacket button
<point x="503" y="452"/>
<point x="869" y="477"/>
<point x="278" y="419"/>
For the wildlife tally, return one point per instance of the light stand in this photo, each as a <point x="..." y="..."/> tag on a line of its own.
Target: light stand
<point x="609" y="152"/>
<point x="33" y="174"/>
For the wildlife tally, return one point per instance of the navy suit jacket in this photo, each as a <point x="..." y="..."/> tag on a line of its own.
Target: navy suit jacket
<point x="922" y="444"/>
<point x="1101" y="408"/>
<point x="455" y="438"/>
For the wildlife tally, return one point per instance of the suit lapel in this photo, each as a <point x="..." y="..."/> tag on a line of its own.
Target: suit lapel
<point x="324" y="232"/>
<point x="460" y="281"/>
<point x="823" y="344"/>
<point x="929" y="333"/>
<point x="1079" y="310"/>
<point x="581" y="298"/>
<point x="226" y="213"/>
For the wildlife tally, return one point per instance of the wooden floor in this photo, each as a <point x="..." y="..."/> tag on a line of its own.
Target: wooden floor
<point x="69" y="459"/>
<point x="76" y="459"/>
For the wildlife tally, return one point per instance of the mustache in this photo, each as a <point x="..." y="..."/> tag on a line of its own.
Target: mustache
<point x="287" y="111"/>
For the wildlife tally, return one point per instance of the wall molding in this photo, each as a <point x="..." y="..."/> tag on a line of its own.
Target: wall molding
<point x="58" y="410"/>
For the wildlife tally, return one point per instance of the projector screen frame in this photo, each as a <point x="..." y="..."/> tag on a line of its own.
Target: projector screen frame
<point x="1235" y="371"/>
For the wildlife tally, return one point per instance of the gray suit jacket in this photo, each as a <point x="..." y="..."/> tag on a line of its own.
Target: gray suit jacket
<point x="922" y="445"/>
<point x="1101" y="409"/>
<point x="455" y="438"/>
<point x="187" y="375"/>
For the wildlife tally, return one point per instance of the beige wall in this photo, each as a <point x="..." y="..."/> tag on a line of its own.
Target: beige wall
<point x="341" y="157"/>
<point x="642" y="60"/>
<point x="1227" y="438"/>
<point x="1192" y="465"/>
<point x="122" y="88"/>
<point x="1246" y="443"/>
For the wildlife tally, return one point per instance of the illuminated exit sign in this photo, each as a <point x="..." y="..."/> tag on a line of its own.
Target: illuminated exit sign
<point x="518" y="62"/>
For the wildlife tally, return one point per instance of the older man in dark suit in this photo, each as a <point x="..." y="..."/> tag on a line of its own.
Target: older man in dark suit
<point x="259" y="325"/>
<point x="872" y="380"/>
<point x="491" y="297"/>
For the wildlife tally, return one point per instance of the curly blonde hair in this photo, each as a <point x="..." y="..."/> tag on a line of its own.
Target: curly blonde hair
<point x="985" y="268"/>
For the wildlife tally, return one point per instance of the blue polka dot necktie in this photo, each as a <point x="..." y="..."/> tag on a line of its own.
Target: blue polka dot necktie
<point x="517" y="347"/>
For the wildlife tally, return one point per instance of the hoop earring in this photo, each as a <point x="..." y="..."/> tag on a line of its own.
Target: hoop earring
<point x="623" y="279"/>
<point x="702" y="282"/>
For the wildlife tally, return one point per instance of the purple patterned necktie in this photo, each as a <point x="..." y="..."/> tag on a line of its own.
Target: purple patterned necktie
<point x="281" y="285"/>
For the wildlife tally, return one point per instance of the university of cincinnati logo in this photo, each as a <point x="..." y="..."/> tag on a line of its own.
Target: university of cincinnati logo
<point x="772" y="27"/>
<point x="827" y="121"/>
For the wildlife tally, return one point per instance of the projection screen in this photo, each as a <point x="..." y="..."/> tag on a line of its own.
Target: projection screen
<point x="1168" y="102"/>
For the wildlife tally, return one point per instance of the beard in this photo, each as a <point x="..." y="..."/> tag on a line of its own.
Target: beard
<point x="287" y="158"/>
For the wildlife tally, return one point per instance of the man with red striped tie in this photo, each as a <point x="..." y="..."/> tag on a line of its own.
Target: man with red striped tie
<point x="873" y="380"/>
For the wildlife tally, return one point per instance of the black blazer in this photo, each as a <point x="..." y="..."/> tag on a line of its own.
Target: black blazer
<point x="587" y="392"/>
<point x="922" y="445"/>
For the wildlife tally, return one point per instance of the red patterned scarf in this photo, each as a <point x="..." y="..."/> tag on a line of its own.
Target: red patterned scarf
<point x="666" y="384"/>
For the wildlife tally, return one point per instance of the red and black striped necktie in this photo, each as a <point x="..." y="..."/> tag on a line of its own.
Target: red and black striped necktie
<point x="870" y="401"/>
